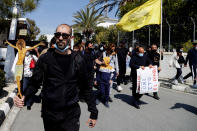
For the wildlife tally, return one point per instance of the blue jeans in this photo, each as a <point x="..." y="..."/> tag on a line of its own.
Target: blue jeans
<point x="25" y="85"/>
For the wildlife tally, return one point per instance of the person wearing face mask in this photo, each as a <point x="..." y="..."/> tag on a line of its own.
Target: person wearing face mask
<point x="122" y="56"/>
<point x="63" y="75"/>
<point x="176" y="63"/>
<point x="140" y="60"/>
<point x="89" y="58"/>
<point x="192" y="58"/>
<point x="154" y="56"/>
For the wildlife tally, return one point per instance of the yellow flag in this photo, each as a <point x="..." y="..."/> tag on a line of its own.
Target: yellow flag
<point x="146" y="14"/>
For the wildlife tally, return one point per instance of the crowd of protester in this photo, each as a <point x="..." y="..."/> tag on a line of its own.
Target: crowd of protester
<point x="69" y="75"/>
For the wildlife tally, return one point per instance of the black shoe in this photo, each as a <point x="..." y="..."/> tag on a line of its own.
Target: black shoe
<point x="107" y="104"/>
<point x="125" y="83"/>
<point x="28" y="107"/>
<point x="136" y="105"/>
<point x="156" y="97"/>
<point x="110" y="99"/>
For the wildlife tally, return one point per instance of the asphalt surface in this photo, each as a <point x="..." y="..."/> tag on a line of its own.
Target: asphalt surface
<point x="175" y="111"/>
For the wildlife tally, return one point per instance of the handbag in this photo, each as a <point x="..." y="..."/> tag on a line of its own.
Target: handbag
<point x="32" y="63"/>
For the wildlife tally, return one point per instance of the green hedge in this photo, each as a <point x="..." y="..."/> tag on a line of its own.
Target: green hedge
<point x="2" y="79"/>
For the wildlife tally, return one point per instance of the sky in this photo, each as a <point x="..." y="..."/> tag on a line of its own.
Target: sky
<point x="51" y="13"/>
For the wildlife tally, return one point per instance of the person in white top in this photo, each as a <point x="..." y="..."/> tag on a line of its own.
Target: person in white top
<point x="174" y="62"/>
<point x="28" y="71"/>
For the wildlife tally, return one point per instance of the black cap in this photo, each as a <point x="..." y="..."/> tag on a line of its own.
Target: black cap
<point x="179" y="50"/>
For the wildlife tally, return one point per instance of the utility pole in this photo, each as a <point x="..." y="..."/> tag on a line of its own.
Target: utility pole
<point x="118" y="38"/>
<point x="133" y="41"/>
<point x="10" y="54"/>
<point x="169" y="35"/>
<point x="149" y="35"/>
<point x="194" y="32"/>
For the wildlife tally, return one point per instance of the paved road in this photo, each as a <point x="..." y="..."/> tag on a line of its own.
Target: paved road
<point x="176" y="111"/>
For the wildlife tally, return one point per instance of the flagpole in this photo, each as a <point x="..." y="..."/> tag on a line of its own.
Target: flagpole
<point x="161" y="32"/>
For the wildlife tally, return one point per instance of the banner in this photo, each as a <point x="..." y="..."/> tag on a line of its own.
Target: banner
<point x="147" y="80"/>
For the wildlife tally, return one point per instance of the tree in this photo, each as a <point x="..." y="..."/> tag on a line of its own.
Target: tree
<point x="109" y="4"/>
<point x="23" y="5"/>
<point x="86" y="20"/>
<point x="108" y="35"/>
<point x="43" y="38"/>
<point x="6" y="7"/>
<point x="177" y="12"/>
<point x="33" y="30"/>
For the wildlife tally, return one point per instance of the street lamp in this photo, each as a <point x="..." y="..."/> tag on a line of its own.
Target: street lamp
<point x="169" y="35"/>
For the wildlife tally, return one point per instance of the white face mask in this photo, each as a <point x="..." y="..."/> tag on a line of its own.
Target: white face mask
<point x="101" y="48"/>
<point x="130" y="49"/>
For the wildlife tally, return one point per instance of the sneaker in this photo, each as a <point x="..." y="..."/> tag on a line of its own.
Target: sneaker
<point x="156" y="97"/>
<point x="110" y="99"/>
<point x="106" y="104"/>
<point x="119" y="88"/>
<point x="175" y="82"/>
<point x="97" y="102"/>
<point x="136" y="105"/>
<point x="28" y="107"/>
<point x="195" y="85"/>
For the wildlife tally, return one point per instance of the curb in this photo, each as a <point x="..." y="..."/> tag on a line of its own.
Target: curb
<point x="5" y="107"/>
<point x="182" y="88"/>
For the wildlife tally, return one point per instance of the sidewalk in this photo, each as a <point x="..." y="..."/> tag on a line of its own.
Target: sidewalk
<point x="6" y="100"/>
<point x="187" y="87"/>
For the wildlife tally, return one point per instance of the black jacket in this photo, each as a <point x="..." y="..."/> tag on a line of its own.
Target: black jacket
<point x="60" y="90"/>
<point x="137" y="61"/>
<point x="191" y="57"/>
<point x="154" y="57"/>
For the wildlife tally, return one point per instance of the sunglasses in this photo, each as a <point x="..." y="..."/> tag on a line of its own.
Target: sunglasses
<point x="64" y="35"/>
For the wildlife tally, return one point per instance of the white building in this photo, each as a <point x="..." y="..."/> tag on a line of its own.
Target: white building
<point x="108" y="22"/>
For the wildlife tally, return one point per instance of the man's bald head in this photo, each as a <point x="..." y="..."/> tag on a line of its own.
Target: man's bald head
<point x="141" y="50"/>
<point x="64" y="27"/>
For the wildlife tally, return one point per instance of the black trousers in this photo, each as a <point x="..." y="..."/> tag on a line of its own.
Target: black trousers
<point x="136" y="96"/>
<point x="178" y="73"/>
<point x="121" y="76"/>
<point x="67" y="120"/>
<point x="193" y="69"/>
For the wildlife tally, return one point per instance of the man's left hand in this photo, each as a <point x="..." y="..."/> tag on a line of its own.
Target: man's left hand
<point x="91" y="123"/>
<point x="150" y="66"/>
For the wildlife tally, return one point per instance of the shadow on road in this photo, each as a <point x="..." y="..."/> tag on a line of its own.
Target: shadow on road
<point x="187" y="107"/>
<point x="127" y="99"/>
<point x="3" y="93"/>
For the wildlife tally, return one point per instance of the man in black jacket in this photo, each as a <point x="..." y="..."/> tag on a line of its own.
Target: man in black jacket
<point x="192" y="58"/>
<point x="63" y="74"/>
<point x="155" y="59"/>
<point x="139" y="60"/>
<point x="122" y="56"/>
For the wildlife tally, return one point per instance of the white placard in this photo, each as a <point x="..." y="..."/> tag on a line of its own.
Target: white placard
<point x="147" y="80"/>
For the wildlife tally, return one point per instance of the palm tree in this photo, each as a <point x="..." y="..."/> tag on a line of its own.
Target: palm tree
<point x="86" y="20"/>
<point x="110" y="4"/>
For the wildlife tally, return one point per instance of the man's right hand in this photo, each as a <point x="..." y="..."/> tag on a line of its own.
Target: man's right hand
<point x="142" y="67"/>
<point x="19" y="102"/>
